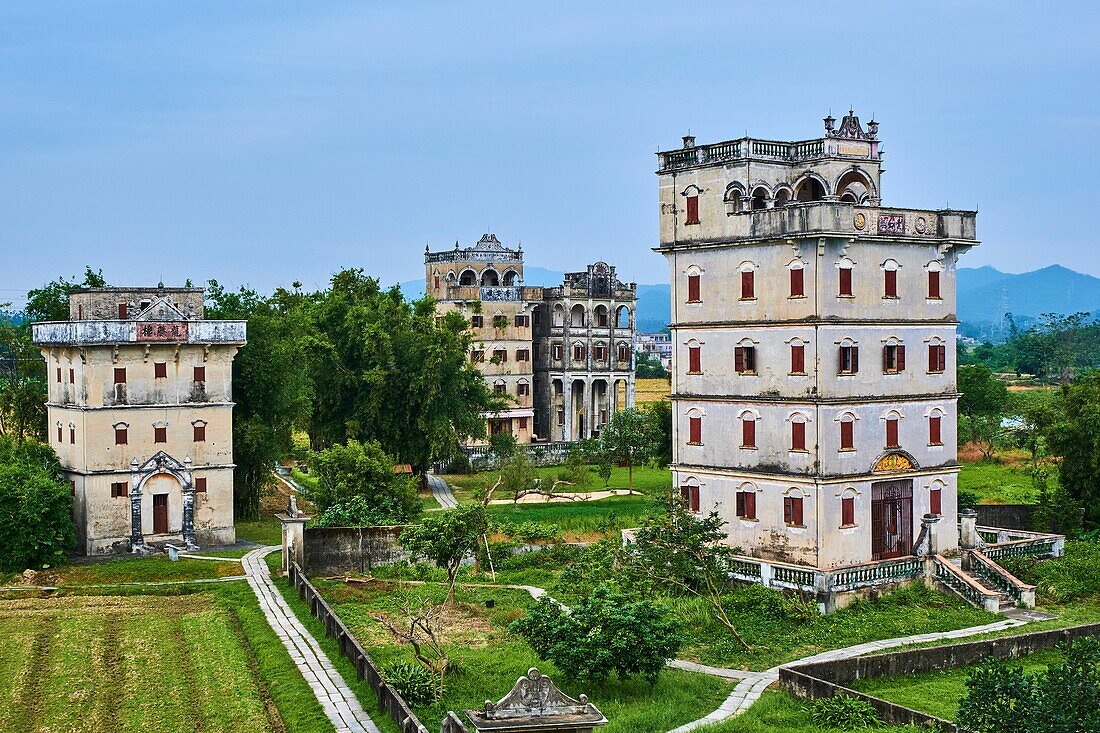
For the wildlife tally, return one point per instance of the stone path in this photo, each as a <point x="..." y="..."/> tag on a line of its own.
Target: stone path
<point x="337" y="699"/>
<point x="442" y="492"/>
<point x="753" y="684"/>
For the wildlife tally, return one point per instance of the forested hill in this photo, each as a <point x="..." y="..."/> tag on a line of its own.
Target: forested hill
<point x="984" y="294"/>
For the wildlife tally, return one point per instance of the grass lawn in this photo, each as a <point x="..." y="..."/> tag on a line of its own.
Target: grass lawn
<point x="651" y="390"/>
<point x="780" y="712"/>
<point x="647" y="480"/>
<point x="130" y="570"/>
<point x="776" y="635"/>
<point x="489" y="658"/>
<point x="939" y="693"/>
<point x="161" y="661"/>
<point x="997" y="483"/>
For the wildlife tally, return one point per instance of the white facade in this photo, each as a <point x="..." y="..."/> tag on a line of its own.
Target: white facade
<point x="828" y="322"/>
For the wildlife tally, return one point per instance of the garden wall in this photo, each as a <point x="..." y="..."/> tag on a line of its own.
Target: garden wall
<point x="351" y="550"/>
<point x="825" y="679"/>
<point x="1006" y="516"/>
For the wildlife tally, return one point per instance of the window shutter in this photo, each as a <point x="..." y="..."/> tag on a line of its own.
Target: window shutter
<point x="748" y="432"/>
<point x="685" y="494"/>
<point x="933" y="284"/>
<point x="120" y="436"/>
<point x="892" y="433"/>
<point x="60" y="434"/>
<point x="741" y="500"/>
<point x="900" y="358"/>
<point x="692" y="210"/>
<point x="739" y="359"/>
<point x="846" y="435"/>
<point x="59" y="375"/>
<point x="693" y="359"/>
<point x="694" y="498"/>
<point x="693" y="289"/>
<point x="935" y="501"/>
<point x="886" y="359"/>
<point x="750" y="359"/>
<point x="788" y="510"/>
<point x="798" y="436"/>
<point x="122" y="311"/>
<point x="120" y="375"/>
<point x="160" y="370"/>
<point x="200" y="433"/>
<point x="797" y="501"/>
<point x="855" y="359"/>
<point x="941" y="354"/>
<point x="200" y="485"/>
<point x="695" y="430"/>
<point x="840" y="361"/>
<point x="798" y="359"/>
<point x="934" y="437"/>
<point x="750" y="504"/>
<point x="845" y="281"/>
<point x="848" y="511"/>
<point x="160" y="435"/>
<point x="891" y="283"/>
<point x="797" y="283"/>
<point x="748" y="290"/>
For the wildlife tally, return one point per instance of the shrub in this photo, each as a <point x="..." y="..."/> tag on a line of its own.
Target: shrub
<point x="968" y="499"/>
<point x="416" y="685"/>
<point x="363" y="470"/>
<point x="460" y="464"/>
<point x="1069" y="577"/>
<point x="36" y="526"/>
<point x="604" y="633"/>
<point x="844" y="712"/>
<point x="530" y="531"/>
<point x="770" y="604"/>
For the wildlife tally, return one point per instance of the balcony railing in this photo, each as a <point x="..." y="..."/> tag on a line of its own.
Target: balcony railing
<point x="122" y="332"/>
<point x="743" y="148"/>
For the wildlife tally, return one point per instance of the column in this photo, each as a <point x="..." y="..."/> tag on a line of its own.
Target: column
<point x="586" y="415"/>
<point x="630" y="391"/>
<point x="968" y="530"/>
<point x="137" y="542"/>
<point x="188" y="507"/>
<point x="567" y="400"/>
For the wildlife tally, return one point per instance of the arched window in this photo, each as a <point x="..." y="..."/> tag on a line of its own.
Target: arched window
<point x="798" y="355"/>
<point x="734" y="195"/>
<point x="935" y="426"/>
<point x="695" y="426"/>
<point x="797" y="422"/>
<point x="893" y="356"/>
<point x="934" y="268"/>
<point x="689" y="493"/>
<point x="810" y="189"/>
<point x="576" y="316"/>
<point x="844" y="270"/>
<point x="558" y="315"/>
<point x="759" y="198"/>
<point x="782" y="197"/>
<point x="848" y="507"/>
<point x="748" y="281"/>
<point x="691" y="204"/>
<point x="468" y="278"/>
<point x="853" y="186"/>
<point x="695" y="357"/>
<point x="746" y="501"/>
<point x="489" y="278"/>
<point x="847" y="422"/>
<point x="600" y="313"/>
<point x="694" y="282"/>
<point x="793" y="507"/>
<point x="510" y="278"/>
<point x="622" y="317"/>
<point x="937" y="355"/>
<point x="890" y="278"/>
<point x="893" y="421"/>
<point x="748" y="428"/>
<point x="797" y="271"/>
<point x="935" y="497"/>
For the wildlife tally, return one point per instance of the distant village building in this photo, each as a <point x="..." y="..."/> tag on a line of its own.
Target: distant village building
<point x="140" y="408"/>
<point x="562" y="356"/>
<point x="814" y="330"/>
<point x="657" y="346"/>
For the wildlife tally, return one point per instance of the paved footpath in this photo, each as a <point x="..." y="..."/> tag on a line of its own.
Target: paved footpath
<point x="337" y="699"/>
<point x="753" y="684"/>
<point x="442" y="492"/>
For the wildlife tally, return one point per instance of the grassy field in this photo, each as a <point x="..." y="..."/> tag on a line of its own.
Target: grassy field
<point x="997" y="482"/>
<point x="157" y="569"/>
<point x="651" y="390"/>
<point x="779" y="712"/>
<point x="939" y="693"/>
<point x="489" y="658"/>
<point x="205" y="661"/>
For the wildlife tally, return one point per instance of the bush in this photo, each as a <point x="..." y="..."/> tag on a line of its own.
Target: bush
<point x="604" y="633"/>
<point x="844" y="712"/>
<point x="1069" y="577"/>
<point x="530" y="531"/>
<point x="968" y="499"/>
<point x="756" y="600"/>
<point x="418" y="686"/>
<point x="364" y="470"/>
<point x="36" y="525"/>
<point x="460" y="464"/>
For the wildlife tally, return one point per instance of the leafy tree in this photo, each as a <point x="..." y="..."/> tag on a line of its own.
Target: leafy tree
<point x="447" y="538"/>
<point x="984" y="431"/>
<point x="607" y="632"/>
<point x="503" y="444"/>
<point x="1002" y="698"/>
<point x="649" y="367"/>
<point x="51" y="301"/>
<point x="361" y="475"/>
<point x="659" y="432"/>
<point x="517" y="475"/>
<point x="391" y="371"/>
<point x="1073" y="435"/>
<point x="983" y="394"/>
<point x="272" y="389"/>
<point x="679" y="552"/>
<point x="624" y="440"/>
<point x="22" y="382"/>
<point x="36" y="526"/>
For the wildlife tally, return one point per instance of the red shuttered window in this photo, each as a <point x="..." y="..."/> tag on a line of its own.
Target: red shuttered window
<point x="798" y="283"/>
<point x="937" y="357"/>
<point x="934" y="435"/>
<point x="200" y="433"/>
<point x="849" y="360"/>
<point x="748" y="285"/>
<point x="690" y="495"/>
<point x="890" y="283"/>
<point x="845" y="282"/>
<point x="120" y="375"/>
<point x="160" y="370"/>
<point x="933" y="284"/>
<point x="847" y="511"/>
<point x="792" y="511"/>
<point x="847" y="438"/>
<point x="798" y="359"/>
<point x="798" y="436"/>
<point x="692" y="210"/>
<point x="892" y="432"/>
<point x="695" y="431"/>
<point x="935" y="501"/>
<point x="200" y="485"/>
<point x="748" y="432"/>
<point x="694" y="360"/>
<point x="120" y="436"/>
<point x="693" y="289"/>
<point x="893" y="359"/>
<point x="744" y="359"/>
<point x="200" y="374"/>
<point x="746" y="504"/>
<point x="160" y="435"/>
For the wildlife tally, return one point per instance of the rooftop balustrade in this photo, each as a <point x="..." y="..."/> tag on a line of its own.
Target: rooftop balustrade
<point x="81" y="333"/>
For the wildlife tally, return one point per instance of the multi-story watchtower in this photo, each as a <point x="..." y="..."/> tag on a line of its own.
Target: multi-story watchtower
<point x="814" y="346"/>
<point x="140" y="410"/>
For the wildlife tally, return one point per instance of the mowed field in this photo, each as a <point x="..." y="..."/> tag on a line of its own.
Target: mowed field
<point x="128" y="663"/>
<point x="651" y="390"/>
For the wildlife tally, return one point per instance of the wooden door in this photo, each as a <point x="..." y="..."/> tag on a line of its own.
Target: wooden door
<point x="891" y="519"/>
<point x="160" y="513"/>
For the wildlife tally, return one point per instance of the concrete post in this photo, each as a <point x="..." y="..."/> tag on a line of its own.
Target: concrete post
<point x="969" y="539"/>
<point x="189" y="507"/>
<point x="929" y="529"/>
<point x="294" y="545"/>
<point x="567" y="394"/>
<point x="137" y="542"/>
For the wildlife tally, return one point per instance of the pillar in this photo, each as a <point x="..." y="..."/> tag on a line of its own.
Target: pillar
<point x="294" y="545"/>
<point x="567" y="399"/>
<point x="969" y="539"/>
<point x="188" y="507"/>
<point x="137" y="542"/>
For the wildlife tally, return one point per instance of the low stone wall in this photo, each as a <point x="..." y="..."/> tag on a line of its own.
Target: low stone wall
<point x="1006" y="516"/>
<point x="351" y="550"/>
<point x="825" y="679"/>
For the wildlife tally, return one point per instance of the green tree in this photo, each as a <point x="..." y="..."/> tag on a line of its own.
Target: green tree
<point x="363" y="473"/>
<point x="624" y="440"/>
<point x="272" y="387"/>
<point x="447" y="538"/>
<point x="503" y="444"/>
<point x="1074" y="437"/>
<point x="649" y="367"/>
<point x="983" y="394"/>
<point x="36" y="526"/>
<point x="51" y="301"/>
<point x="22" y="382"/>
<point x="607" y="632"/>
<point x="679" y="552"/>
<point x="659" y="432"/>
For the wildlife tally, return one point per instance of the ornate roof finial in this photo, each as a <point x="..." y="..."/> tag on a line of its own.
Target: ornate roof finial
<point x="829" y="122"/>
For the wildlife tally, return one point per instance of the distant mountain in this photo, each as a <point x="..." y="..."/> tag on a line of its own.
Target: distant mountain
<point x="985" y="293"/>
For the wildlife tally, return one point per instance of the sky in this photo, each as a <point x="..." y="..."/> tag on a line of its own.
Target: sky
<point x="260" y="143"/>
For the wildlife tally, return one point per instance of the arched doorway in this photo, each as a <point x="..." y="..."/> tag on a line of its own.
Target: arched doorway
<point x="170" y="506"/>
